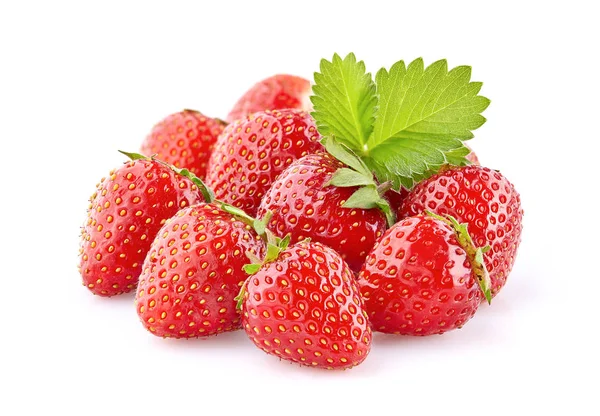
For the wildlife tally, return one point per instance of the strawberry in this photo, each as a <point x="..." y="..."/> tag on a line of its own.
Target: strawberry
<point x="304" y="307"/>
<point x="422" y="277"/>
<point x="251" y="153"/>
<point x="486" y="201"/>
<point x="124" y="215"/>
<point x="395" y="198"/>
<point x="193" y="272"/>
<point x="304" y="204"/>
<point x="274" y="93"/>
<point x="185" y="140"/>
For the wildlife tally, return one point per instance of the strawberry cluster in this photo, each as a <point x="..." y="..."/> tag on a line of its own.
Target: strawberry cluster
<point x="270" y="224"/>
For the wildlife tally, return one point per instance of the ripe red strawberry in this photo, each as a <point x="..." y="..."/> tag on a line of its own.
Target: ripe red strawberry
<point x="396" y="198"/>
<point x="185" y="140"/>
<point x="193" y="272"/>
<point x="305" y="307"/>
<point x="124" y="215"/>
<point x="251" y="153"/>
<point x="486" y="201"/>
<point x="420" y="279"/>
<point x="304" y="205"/>
<point x="274" y="93"/>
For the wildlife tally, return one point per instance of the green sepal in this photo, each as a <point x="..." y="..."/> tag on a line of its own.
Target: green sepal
<point x="475" y="254"/>
<point x="260" y="225"/>
<point x="239" y="299"/>
<point x="343" y="153"/>
<point x="384" y="187"/>
<point x="365" y="198"/>
<point x="134" y="156"/>
<point x="238" y="213"/>
<point x="251" y="268"/>
<point x="345" y="177"/>
<point x="272" y="238"/>
<point x="272" y="253"/>
<point x="368" y="197"/>
<point x="385" y="207"/>
<point x="275" y="246"/>
<point x="253" y="257"/>
<point x="285" y="242"/>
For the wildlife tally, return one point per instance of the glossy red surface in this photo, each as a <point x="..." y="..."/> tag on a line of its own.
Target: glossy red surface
<point x="305" y="307"/>
<point x="395" y="198"/>
<point x="193" y="272"/>
<point x="274" y="93"/>
<point x="486" y="201"/>
<point x="124" y="215"/>
<point x="418" y="280"/>
<point x="185" y="140"/>
<point x="304" y="207"/>
<point x="251" y="153"/>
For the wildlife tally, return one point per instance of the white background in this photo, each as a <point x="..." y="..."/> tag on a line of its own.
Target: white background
<point x="79" y="81"/>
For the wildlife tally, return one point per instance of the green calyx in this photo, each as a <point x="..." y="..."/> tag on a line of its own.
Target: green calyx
<point x="404" y="124"/>
<point x="275" y="246"/>
<point x="258" y="224"/>
<point x="369" y="195"/>
<point x="475" y="254"/>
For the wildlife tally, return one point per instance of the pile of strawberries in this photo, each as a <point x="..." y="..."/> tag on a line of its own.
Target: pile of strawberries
<point x="246" y="224"/>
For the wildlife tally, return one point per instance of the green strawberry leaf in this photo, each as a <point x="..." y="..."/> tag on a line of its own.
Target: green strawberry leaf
<point x="344" y="100"/>
<point x="432" y="101"/>
<point x="407" y="160"/>
<point x="409" y="127"/>
<point x="423" y="115"/>
<point x="456" y="157"/>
